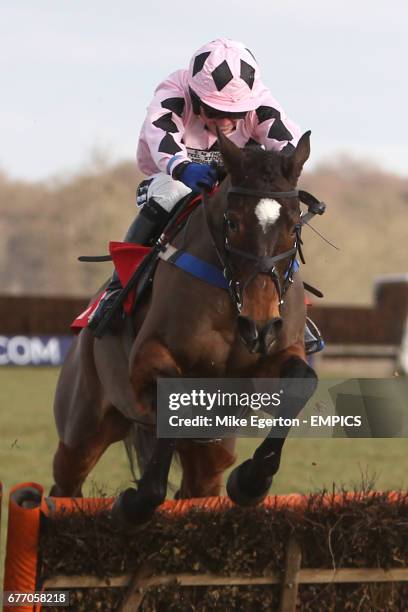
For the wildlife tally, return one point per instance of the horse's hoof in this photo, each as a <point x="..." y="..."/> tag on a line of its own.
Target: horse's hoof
<point x="236" y="491"/>
<point x="131" y="512"/>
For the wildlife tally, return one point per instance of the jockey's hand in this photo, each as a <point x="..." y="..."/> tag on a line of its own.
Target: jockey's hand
<point x="198" y="176"/>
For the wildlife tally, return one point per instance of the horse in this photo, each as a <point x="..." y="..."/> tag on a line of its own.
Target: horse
<point x="185" y="327"/>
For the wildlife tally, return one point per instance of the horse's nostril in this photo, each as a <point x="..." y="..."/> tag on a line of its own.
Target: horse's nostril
<point x="277" y="324"/>
<point x="247" y="328"/>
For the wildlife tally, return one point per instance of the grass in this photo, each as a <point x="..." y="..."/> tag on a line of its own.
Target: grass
<point x="28" y="441"/>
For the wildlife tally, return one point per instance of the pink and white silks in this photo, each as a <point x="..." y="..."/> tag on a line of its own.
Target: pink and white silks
<point x="173" y="133"/>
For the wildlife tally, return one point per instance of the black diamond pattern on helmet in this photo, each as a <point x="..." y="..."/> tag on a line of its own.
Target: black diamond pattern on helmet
<point x="166" y="123"/>
<point x="169" y="145"/>
<point x="222" y="75"/>
<point x="278" y="131"/>
<point x="199" y="62"/>
<point x="175" y="105"/>
<point x="267" y="112"/>
<point x="247" y="74"/>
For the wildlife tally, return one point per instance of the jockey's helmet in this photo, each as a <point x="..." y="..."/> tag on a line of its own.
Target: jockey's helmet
<point x="225" y="76"/>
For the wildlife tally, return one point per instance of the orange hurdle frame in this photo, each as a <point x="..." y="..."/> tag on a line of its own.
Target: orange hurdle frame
<point x="27" y="503"/>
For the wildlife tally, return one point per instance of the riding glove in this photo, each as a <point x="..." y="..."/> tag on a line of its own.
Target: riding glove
<point x="196" y="176"/>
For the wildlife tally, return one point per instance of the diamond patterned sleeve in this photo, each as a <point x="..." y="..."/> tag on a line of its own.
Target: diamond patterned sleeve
<point x="272" y="128"/>
<point x="163" y="128"/>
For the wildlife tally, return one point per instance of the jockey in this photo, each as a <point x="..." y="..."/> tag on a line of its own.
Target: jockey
<point x="178" y="141"/>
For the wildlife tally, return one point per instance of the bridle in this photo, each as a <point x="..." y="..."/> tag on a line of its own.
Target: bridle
<point x="265" y="264"/>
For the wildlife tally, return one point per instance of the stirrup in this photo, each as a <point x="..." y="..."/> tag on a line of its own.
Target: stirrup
<point x="314" y="342"/>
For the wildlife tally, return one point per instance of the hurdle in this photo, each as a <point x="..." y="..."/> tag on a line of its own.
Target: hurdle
<point x="30" y="509"/>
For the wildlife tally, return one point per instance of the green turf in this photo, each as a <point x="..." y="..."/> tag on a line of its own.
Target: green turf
<point x="28" y="440"/>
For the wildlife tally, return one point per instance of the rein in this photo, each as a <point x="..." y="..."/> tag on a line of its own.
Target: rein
<point x="264" y="264"/>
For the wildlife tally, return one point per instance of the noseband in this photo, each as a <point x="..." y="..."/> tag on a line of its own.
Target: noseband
<point x="267" y="264"/>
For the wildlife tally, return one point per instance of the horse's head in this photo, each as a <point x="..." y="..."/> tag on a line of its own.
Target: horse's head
<point x="261" y="232"/>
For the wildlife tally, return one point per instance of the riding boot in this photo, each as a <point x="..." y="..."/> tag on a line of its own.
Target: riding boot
<point x="313" y="338"/>
<point x="143" y="230"/>
<point x="148" y="224"/>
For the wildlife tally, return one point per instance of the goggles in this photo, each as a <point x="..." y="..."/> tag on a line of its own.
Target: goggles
<point x="213" y="113"/>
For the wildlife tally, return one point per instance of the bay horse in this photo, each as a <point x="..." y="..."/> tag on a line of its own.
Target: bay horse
<point x="188" y="328"/>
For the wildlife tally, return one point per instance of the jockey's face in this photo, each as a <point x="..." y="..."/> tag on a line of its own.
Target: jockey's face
<point x="226" y="122"/>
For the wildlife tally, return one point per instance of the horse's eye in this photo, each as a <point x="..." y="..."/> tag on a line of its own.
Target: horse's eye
<point x="232" y="225"/>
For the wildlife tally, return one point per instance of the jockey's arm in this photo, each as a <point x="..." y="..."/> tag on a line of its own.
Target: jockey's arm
<point x="271" y="127"/>
<point x="163" y="128"/>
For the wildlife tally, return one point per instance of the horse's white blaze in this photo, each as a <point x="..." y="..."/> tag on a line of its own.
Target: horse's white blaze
<point x="268" y="212"/>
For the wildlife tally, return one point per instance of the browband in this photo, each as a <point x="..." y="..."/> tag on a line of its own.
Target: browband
<point x="314" y="205"/>
<point x="263" y="194"/>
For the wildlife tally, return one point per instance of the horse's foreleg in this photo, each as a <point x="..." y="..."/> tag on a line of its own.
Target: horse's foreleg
<point x="150" y="361"/>
<point x="133" y="507"/>
<point x="136" y="506"/>
<point x="249" y="483"/>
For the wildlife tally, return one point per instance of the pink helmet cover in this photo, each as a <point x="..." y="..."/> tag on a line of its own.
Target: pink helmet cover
<point x="225" y="75"/>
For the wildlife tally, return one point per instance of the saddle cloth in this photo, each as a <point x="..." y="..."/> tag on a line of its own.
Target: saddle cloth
<point x="126" y="257"/>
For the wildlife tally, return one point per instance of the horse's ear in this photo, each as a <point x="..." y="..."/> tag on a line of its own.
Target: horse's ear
<point x="293" y="164"/>
<point x="231" y="154"/>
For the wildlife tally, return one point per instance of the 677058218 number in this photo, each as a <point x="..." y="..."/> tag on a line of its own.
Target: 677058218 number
<point x="45" y="598"/>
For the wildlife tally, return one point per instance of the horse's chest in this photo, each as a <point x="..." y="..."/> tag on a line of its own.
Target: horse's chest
<point x="215" y="354"/>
